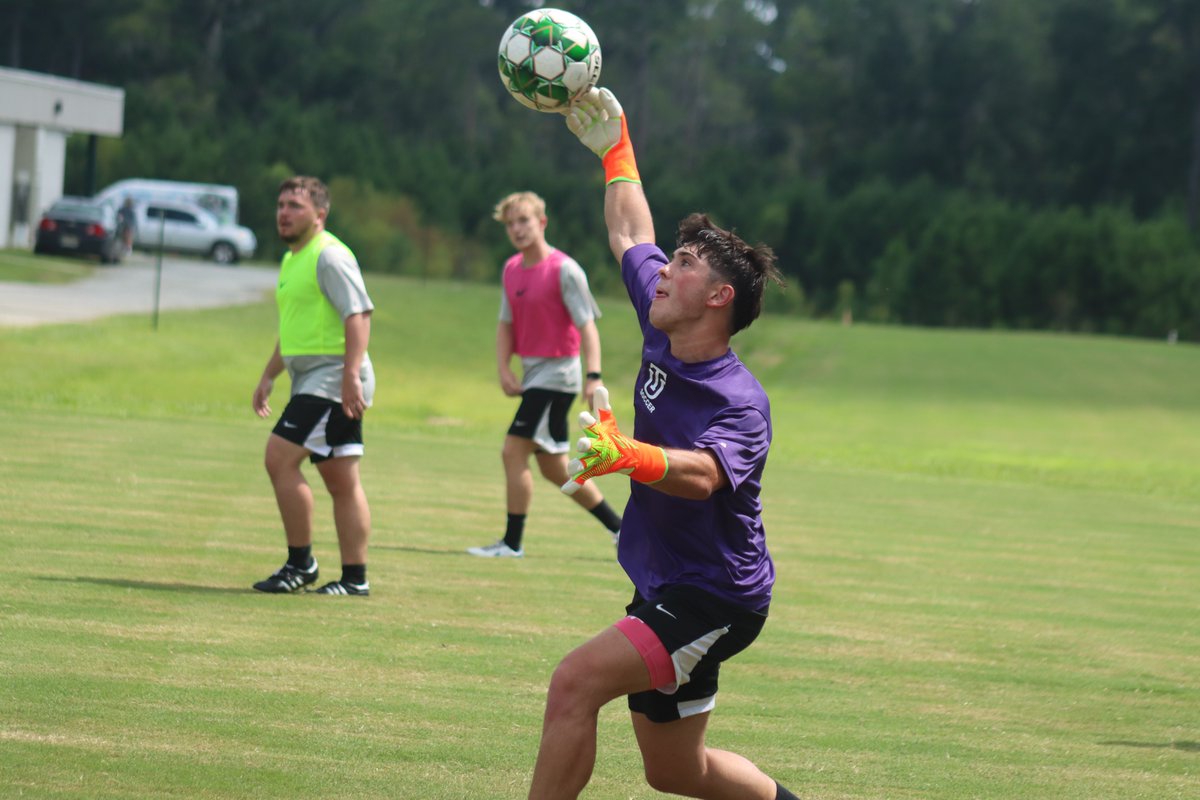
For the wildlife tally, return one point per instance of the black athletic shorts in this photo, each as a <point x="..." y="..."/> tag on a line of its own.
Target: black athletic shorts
<point x="542" y="417"/>
<point x="698" y="630"/>
<point x="319" y="425"/>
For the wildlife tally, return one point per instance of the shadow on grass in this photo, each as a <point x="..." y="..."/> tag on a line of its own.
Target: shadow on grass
<point x="1187" y="747"/>
<point x="429" y="551"/>
<point x="437" y="551"/>
<point x="151" y="585"/>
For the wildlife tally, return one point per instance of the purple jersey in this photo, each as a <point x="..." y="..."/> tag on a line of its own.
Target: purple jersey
<point x="716" y="544"/>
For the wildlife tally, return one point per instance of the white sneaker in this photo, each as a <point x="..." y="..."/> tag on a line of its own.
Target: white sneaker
<point x="616" y="537"/>
<point x="497" y="550"/>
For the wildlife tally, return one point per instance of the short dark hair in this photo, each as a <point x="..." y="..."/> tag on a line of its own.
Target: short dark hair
<point x="746" y="267"/>
<point x="317" y="191"/>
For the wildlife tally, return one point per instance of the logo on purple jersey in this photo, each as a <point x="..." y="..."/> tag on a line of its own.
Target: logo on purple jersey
<point x="656" y="381"/>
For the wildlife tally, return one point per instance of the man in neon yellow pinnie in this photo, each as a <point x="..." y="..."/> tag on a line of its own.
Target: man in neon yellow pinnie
<point x="324" y="328"/>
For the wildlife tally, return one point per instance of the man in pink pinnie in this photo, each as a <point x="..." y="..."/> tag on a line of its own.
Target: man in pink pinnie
<point x="548" y="318"/>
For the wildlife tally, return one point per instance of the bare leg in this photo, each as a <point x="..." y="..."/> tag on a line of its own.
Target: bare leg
<point x="554" y="469"/>
<point x="606" y="667"/>
<point x="518" y="478"/>
<point x="677" y="761"/>
<point x="292" y="492"/>
<point x="351" y="513"/>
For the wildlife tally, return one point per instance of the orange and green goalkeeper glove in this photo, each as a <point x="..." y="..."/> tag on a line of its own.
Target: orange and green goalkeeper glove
<point x="599" y="121"/>
<point x="606" y="450"/>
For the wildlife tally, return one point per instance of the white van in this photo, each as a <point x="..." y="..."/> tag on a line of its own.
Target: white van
<point x="222" y="201"/>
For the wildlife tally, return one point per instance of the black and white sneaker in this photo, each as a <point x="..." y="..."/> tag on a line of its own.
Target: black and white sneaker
<point x="345" y="587"/>
<point x="288" y="579"/>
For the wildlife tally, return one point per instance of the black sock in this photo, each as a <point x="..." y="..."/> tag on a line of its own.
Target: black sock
<point x="608" y="518"/>
<point x="354" y="573"/>
<point x="783" y="794"/>
<point x="300" y="557"/>
<point x="515" y="531"/>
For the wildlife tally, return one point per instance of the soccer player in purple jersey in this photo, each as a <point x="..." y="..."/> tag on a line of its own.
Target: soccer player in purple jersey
<point x="692" y="538"/>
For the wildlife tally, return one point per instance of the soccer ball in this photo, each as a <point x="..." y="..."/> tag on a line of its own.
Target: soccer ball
<point x="548" y="58"/>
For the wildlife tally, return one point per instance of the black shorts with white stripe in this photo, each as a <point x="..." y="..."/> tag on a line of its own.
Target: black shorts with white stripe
<point x="699" y="630"/>
<point x="319" y="425"/>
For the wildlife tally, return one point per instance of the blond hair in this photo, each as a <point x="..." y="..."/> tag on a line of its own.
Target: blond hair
<point x="518" y="198"/>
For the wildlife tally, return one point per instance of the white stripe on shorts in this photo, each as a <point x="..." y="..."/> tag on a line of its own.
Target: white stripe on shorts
<point x="687" y="657"/>
<point x="690" y="708"/>
<point x="542" y="437"/>
<point x="315" y="442"/>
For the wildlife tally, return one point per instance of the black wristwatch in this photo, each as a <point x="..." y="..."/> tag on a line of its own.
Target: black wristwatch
<point x="593" y="376"/>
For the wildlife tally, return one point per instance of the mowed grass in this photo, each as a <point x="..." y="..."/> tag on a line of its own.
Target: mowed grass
<point x="19" y="264"/>
<point x="987" y="547"/>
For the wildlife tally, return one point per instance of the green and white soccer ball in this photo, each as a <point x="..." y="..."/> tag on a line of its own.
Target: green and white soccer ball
<point x="548" y="58"/>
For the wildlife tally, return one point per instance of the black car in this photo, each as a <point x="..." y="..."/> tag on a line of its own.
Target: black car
<point x="80" y="226"/>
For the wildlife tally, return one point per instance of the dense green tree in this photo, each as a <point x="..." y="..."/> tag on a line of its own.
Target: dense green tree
<point x="1026" y="163"/>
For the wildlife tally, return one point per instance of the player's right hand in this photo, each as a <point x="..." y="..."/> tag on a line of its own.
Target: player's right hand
<point x="606" y="450"/>
<point x="596" y="119"/>
<point x="262" y="396"/>
<point x="510" y="384"/>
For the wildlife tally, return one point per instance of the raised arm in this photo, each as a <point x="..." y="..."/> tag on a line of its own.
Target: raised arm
<point x="599" y="122"/>
<point x="627" y="215"/>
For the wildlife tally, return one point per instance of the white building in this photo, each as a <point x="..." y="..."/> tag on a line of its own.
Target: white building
<point x="37" y="114"/>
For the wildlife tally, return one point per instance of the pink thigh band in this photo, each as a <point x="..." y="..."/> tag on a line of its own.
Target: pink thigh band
<point x="656" y="657"/>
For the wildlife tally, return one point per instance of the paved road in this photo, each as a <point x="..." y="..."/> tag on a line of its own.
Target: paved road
<point x="129" y="289"/>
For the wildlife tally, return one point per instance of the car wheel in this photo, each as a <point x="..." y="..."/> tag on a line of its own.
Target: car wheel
<point x="224" y="253"/>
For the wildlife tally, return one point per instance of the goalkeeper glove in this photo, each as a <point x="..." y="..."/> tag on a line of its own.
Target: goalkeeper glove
<point x="606" y="450"/>
<point x="599" y="122"/>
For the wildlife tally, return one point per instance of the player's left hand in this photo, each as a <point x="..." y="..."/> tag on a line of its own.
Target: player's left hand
<point x="596" y="119"/>
<point x="590" y="386"/>
<point x="606" y="450"/>
<point x="354" y="403"/>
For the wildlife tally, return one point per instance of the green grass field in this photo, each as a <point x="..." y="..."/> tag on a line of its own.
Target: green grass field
<point x="19" y="264"/>
<point x="988" y="548"/>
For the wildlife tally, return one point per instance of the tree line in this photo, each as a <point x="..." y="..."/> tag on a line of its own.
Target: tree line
<point x="1024" y="164"/>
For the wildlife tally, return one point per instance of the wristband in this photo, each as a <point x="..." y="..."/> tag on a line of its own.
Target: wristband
<point x="593" y="376"/>
<point x="619" y="163"/>
<point x="652" y="464"/>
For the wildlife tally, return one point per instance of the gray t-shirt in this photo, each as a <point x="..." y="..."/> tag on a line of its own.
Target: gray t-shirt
<point x="559" y="374"/>
<point x="342" y="284"/>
